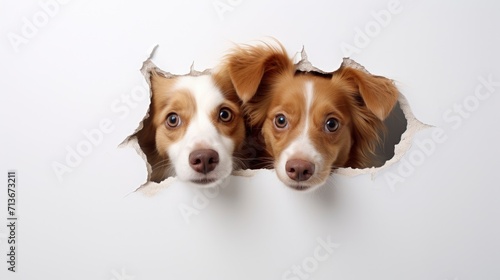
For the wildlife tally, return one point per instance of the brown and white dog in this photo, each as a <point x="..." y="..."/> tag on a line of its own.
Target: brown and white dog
<point x="194" y="127"/>
<point x="311" y="123"/>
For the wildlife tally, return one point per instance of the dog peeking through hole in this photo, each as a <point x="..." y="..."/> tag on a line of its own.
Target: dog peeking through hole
<point x="194" y="128"/>
<point x="311" y="122"/>
<point x="258" y="109"/>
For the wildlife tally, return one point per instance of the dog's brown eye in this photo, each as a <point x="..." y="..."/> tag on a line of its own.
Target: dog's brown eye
<point x="280" y="121"/>
<point x="173" y="120"/>
<point x="331" y="125"/>
<point x="225" y="115"/>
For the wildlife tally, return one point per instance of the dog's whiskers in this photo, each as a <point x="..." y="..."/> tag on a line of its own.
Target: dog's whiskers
<point x="165" y="165"/>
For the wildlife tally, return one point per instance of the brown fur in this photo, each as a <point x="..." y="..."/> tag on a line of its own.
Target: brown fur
<point x="266" y="81"/>
<point x="155" y="136"/>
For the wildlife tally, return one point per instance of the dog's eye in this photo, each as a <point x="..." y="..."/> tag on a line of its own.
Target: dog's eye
<point x="173" y="120"/>
<point x="280" y="121"/>
<point x="225" y="115"/>
<point x="331" y="125"/>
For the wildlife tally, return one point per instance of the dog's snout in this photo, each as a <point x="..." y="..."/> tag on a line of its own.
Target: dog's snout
<point x="299" y="170"/>
<point x="204" y="160"/>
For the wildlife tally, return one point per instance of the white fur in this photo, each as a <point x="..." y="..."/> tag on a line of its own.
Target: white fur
<point x="201" y="132"/>
<point x="301" y="147"/>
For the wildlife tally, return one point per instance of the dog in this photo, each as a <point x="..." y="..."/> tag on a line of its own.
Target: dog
<point x="195" y="127"/>
<point x="311" y="123"/>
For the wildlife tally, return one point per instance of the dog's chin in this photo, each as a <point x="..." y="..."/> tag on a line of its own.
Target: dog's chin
<point x="206" y="182"/>
<point x="303" y="187"/>
<point x="199" y="180"/>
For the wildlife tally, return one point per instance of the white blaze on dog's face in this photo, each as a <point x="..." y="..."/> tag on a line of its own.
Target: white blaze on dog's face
<point x="315" y="124"/>
<point x="307" y="130"/>
<point x="297" y="163"/>
<point x="311" y="122"/>
<point x="197" y="125"/>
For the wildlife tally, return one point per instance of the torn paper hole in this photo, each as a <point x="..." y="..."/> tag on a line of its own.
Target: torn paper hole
<point x="401" y="125"/>
<point x="150" y="187"/>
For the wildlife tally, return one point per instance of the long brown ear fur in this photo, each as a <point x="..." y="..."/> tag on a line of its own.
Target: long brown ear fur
<point x="378" y="93"/>
<point x="372" y="99"/>
<point x="253" y="70"/>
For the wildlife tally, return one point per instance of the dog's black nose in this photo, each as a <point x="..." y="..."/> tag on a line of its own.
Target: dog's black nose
<point x="204" y="160"/>
<point x="299" y="170"/>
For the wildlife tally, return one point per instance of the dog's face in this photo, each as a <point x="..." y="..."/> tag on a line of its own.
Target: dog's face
<point x="197" y="128"/>
<point x="307" y="130"/>
<point x="311" y="123"/>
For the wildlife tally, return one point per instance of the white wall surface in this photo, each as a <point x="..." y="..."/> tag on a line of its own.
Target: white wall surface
<point x="71" y="67"/>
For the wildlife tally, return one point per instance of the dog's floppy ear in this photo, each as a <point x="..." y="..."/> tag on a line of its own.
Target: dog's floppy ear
<point x="252" y="66"/>
<point x="378" y="93"/>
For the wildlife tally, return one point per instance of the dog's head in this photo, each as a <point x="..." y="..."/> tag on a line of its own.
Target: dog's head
<point x="311" y="122"/>
<point x="194" y="128"/>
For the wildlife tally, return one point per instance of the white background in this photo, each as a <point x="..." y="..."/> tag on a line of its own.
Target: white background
<point x="79" y="63"/>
